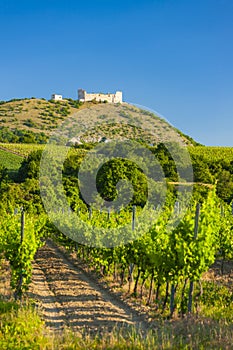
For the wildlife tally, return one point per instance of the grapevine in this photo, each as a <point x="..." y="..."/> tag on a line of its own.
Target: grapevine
<point x="18" y="252"/>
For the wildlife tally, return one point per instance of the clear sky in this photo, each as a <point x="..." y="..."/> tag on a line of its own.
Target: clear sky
<point x="173" y="56"/>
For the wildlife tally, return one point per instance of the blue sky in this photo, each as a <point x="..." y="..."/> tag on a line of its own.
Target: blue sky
<point x="173" y="56"/>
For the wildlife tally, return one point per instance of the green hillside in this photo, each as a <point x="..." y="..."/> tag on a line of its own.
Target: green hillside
<point x="33" y="121"/>
<point x="21" y="149"/>
<point x="211" y="153"/>
<point x="9" y="160"/>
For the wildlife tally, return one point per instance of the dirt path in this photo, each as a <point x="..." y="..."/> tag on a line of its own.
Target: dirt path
<point x="68" y="296"/>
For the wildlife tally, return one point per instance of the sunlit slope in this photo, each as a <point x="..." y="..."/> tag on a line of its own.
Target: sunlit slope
<point x="9" y="160"/>
<point x="101" y="120"/>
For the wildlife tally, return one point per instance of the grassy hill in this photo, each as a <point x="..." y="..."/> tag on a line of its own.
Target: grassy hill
<point x="101" y="120"/>
<point x="33" y="120"/>
<point x="38" y="115"/>
<point x="9" y="160"/>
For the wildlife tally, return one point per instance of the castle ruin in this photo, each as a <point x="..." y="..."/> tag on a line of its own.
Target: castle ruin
<point x="83" y="96"/>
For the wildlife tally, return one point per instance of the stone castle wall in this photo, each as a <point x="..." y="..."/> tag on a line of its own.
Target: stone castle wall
<point x="111" y="98"/>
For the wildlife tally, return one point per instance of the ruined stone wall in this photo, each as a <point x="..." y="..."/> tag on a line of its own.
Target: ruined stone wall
<point x="111" y="98"/>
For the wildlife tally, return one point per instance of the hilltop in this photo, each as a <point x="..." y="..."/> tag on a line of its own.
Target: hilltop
<point x="33" y="120"/>
<point x="34" y="116"/>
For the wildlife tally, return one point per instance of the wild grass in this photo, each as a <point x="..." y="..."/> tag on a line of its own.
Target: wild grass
<point x="21" y="328"/>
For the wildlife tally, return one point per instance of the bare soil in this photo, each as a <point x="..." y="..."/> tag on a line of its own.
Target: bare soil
<point x="67" y="296"/>
<point x="5" y="288"/>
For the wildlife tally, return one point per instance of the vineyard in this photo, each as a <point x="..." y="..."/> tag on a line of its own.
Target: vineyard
<point x="21" y="149"/>
<point x="162" y="269"/>
<point x="211" y="154"/>
<point x="207" y="152"/>
<point x="9" y="160"/>
<point x="18" y="244"/>
<point x="171" y="261"/>
<point x="76" y="261"/>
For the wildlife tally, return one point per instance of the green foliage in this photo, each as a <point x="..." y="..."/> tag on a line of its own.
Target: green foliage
<point x="225" y="185"/>
<point x="20" y="328"/>
<point x="8" y="135"/>
<point x="214" y="164"/>
<point x="30" y="123"/>
<point x="167" y="253"/>
<point x="201" y="171"/>
<point x="27" y="195"/>
<point x="217" y="301"/>
<point x="3" y="174"/>
<point x="20" y="253"/>
<point x="225" y="233"/>
<point x="30" y="166"/>
<point x="74" y="103"/>
<point x="9" y="160"/>
<point x="212" y="154"/>
<point x="109" y="176"/>
<point x="166" y="257"/>
<point x="22" y="149"/>
<point x="118" y="169"/>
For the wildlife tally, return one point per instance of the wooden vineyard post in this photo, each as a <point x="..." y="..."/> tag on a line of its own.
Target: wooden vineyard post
<point x="172" y="299"/>
<point x="20" y="283"/>
<point x="222" y="250"/>
<point x="131" y="266"/>
<point x="174" y="287"/>
<point x="190" y="296"/>
<point x="22" y="226"/>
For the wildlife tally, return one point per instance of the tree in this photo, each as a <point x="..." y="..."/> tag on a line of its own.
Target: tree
<point x="225" y="186"/>
<point x="3" y="174"/>
<point x="30" y="166"/>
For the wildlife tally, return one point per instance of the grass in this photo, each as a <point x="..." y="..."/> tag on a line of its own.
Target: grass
<point x="217" y="301"/>
<point x="10" y="161"/>
<point x="21" y="328"/>
<point x="22" y="149"/>
<point x="39" y="115"/>
<point x="34" y="114"/>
